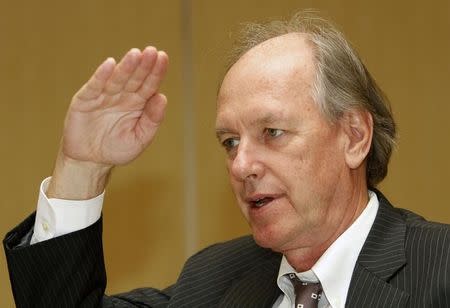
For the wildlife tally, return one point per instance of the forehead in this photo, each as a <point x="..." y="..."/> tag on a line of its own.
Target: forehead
<point x="277" y="70"/>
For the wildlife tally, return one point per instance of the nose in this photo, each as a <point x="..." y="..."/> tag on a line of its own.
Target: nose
<point x="246" y="163"/>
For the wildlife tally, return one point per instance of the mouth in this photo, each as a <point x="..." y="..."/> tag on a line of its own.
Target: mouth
<point x="260" y="200"/>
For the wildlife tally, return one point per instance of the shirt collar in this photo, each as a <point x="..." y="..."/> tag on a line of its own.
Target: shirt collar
<point x="334" y="268"/>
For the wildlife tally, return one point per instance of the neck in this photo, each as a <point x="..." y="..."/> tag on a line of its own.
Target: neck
<point x="304" y="258"/>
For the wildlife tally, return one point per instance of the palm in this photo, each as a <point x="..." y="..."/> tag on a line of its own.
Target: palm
<point x="115" y="115"/>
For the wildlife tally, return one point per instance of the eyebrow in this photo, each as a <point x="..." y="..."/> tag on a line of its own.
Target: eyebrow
<point x="266" y="120"/>
<point x="220" y="132"/>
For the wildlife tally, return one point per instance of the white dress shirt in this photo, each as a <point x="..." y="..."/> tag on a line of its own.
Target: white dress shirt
<point x="334" y="269"/>
<point x="56" y="217"/>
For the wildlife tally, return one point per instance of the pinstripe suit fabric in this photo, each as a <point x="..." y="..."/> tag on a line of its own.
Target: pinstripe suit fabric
<point x="405" y="262"/>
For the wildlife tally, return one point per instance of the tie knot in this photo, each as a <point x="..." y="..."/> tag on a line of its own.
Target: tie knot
<point x="307" y="294"/>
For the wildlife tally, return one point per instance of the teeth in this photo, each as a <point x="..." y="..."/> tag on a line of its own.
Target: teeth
<point x="261" y="201"/>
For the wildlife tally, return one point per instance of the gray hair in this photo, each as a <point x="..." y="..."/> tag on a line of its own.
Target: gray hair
<point x="342" y="82"/>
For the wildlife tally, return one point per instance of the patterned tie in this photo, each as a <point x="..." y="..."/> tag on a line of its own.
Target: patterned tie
<point x="307" y="294"/>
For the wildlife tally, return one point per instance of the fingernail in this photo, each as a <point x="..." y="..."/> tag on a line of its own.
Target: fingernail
<point x="110" y="59"/>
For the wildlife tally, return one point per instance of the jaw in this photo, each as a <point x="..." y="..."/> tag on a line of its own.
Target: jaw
<point x="302" y="254"/>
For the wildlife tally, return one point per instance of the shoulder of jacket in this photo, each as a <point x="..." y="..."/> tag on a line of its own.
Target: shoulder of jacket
<point x="241" y="249"/>
<point x="237" y="255"/>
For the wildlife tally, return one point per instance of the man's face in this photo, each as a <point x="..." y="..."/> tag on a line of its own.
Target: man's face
<point x="285" y="159"/>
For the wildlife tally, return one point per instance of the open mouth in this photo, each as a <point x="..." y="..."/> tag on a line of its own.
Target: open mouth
<point x="261" y="201"/>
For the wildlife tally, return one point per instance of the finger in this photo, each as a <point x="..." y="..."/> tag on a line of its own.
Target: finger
<point x="123" y="71"/>
<point x="151" y="118"/>
<point x="95" y="85"/>
<point x="148" y="59"/>
<point x="152" y="82"/>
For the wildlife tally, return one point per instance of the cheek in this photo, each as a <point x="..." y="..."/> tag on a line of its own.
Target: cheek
<point x="312" y="169"/>
<point x="290" y="165"/>
<point x="236" y="186"/>
<point x="232" y="180"/>
<point x="324" y="174"/>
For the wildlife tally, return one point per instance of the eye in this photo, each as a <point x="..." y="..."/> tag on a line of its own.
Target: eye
<point x="230" y="143"/>
<point x="273" y="132"/>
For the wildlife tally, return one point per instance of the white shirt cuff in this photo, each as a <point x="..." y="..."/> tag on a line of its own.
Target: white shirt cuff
<point x="56" y="217"/>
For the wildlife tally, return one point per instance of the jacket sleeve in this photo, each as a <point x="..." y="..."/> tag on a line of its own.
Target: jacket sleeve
<point x="66" y="271"/>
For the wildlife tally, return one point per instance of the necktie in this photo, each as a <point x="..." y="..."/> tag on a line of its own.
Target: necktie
<point x="307" y="294"/>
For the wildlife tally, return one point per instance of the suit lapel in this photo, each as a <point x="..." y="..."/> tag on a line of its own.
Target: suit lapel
<point x="257" y="287"/>
<point x="381" y="257"/>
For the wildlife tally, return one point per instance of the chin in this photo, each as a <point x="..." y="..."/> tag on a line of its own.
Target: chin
<point x="267" y="238"/>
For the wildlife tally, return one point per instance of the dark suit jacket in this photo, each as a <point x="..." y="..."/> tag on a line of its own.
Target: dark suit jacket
<point x="405" y="262"/>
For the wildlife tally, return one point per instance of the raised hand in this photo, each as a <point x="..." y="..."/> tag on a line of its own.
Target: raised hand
<point x="115" y="115"/>
<point x="110" y="121"/>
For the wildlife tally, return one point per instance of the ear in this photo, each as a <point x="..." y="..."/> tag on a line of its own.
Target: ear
<point x="358" y="128"/>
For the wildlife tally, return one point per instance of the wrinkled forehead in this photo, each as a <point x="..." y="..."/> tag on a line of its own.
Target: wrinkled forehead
<point x="284" y="63"/>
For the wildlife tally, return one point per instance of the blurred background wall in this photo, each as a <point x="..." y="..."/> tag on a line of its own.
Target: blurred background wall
<point x="175" y="199"/>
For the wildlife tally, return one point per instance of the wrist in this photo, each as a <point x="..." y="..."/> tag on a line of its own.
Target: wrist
<point x="77" y="180"/>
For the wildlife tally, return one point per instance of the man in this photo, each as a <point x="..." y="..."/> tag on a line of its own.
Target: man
<point x="308" y="135"/>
